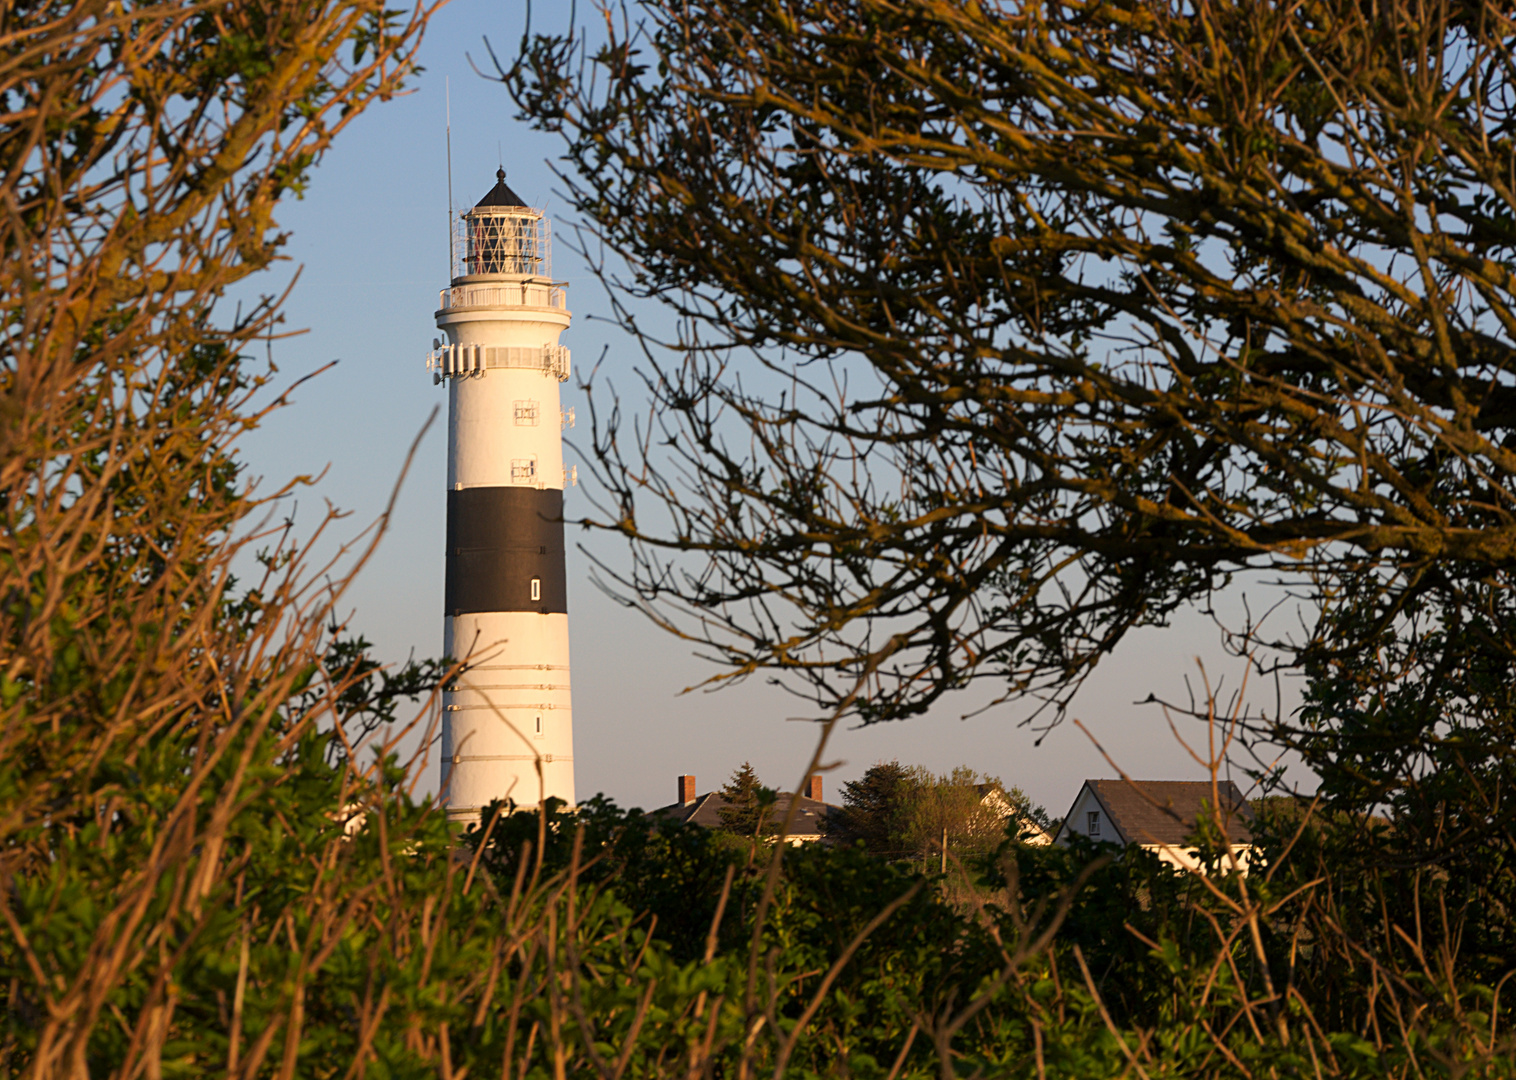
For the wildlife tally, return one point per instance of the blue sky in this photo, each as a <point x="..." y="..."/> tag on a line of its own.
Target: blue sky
<point x="369" y="242"/>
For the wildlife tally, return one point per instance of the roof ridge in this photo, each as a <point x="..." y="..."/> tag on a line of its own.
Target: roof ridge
<point x="1165" y="811"/>
<point x="501" y="194"/>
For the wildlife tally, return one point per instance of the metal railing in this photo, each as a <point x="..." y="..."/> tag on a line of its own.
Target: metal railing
<point x="529" y="293"/>
<point x="459" y="361"/>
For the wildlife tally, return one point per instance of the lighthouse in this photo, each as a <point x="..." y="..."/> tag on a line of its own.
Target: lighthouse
<point x="507" y="724"/>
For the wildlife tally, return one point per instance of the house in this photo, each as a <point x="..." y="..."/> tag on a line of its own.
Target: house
<point x="1159" y="816"/>
<point x="706" y="810"/>
<point x="994" y="800"/>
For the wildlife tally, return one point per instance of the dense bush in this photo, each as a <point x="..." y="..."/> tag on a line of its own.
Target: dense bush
<point x="1088" y="960"/>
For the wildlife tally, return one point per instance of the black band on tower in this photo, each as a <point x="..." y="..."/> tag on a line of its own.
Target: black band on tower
<point x="499" y="540"/>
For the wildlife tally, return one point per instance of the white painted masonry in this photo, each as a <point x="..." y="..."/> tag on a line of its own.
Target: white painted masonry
<point x="507" y="727"/>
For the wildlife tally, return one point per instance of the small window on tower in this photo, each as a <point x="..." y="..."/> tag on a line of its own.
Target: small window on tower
<point x="1094" y="822"/>
<point x="536" y="588"/>
<point x="539" y="727"/>
<point x="527" y="413"/>
<point x="523" y="470"/>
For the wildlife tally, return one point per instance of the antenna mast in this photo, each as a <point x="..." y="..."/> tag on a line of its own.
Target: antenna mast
<point x="448" y="90"/>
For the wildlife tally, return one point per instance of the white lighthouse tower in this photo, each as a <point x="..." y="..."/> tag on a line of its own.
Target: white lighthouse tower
<point x="507" y="728"/>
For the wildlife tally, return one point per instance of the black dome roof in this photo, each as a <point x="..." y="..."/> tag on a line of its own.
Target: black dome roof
<point x="500" y="194"/>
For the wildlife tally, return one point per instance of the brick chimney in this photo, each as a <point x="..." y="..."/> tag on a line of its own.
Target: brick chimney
<point x="686" y="790"/>
<point x="813" y="788"/>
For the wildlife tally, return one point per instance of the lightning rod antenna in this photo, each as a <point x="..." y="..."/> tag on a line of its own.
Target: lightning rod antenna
<point x="448" y="90"/>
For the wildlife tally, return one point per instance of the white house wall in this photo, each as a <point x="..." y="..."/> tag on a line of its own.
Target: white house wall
<point x="1077" y="819"/>
<point x="1187" y="859"/>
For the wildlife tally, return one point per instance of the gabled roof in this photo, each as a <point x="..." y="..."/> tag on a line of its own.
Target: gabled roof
<point x="1165" y="811"/>
<point x="706" y="810"/>
<point x="994" y="798"/>
<point x="500" y="194"/>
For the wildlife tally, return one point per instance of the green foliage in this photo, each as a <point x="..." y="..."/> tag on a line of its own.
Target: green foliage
<point x="179" y="765"/>
<point x="749" y="806"/>
<point x="669" y="874"/>
<point x="960" y="812"/>
<point x="872" y="808"/>
<point x="1078" y="961"/>
<point x="907" y="812"/>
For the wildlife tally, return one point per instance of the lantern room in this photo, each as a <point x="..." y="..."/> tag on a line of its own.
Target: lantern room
<point x="502" y="235"/>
